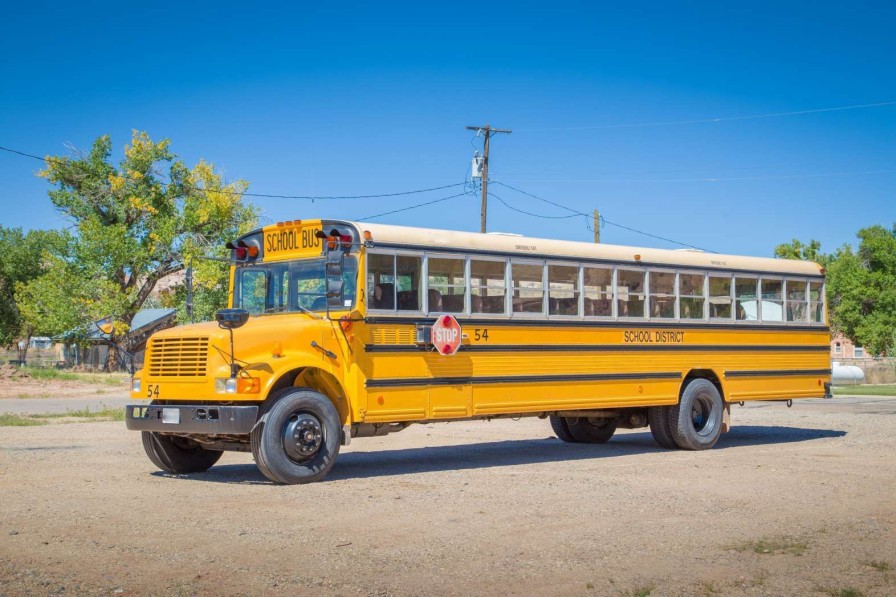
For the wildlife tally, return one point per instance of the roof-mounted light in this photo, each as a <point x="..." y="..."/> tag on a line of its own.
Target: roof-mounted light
<point x="334" y="239"/>
<point x="243" y="250"/>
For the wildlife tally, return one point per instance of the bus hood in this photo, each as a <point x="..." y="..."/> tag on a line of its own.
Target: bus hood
<point x="253" y="342"/>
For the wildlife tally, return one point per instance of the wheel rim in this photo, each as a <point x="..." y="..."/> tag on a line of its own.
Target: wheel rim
<point x="302" y="436"/>
<point x="702" y="415"/>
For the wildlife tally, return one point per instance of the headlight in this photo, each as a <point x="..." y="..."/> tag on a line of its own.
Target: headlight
<point x="225" y="385"/>
<point x="239" y="385"/>
<point x="135" y="385"/>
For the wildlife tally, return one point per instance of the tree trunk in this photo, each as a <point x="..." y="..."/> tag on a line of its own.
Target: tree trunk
<point x="23" y="349"/>
<point x="112" y="356"/>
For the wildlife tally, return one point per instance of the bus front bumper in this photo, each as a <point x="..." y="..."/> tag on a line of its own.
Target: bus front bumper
<point x="207" y="420"/>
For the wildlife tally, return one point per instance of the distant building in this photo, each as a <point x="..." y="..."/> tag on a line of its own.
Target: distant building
<point x="843" y="348"/>
<point x="40" y="342"/>
<point x="90" y="347"/>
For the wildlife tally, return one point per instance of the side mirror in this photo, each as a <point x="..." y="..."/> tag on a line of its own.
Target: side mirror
<point x="231" y="319"/>
<point x="335" y="264"/>
<point x="335" y="287"/>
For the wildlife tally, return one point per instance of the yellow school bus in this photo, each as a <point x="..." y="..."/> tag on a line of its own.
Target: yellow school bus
<point x="329" y="337"/>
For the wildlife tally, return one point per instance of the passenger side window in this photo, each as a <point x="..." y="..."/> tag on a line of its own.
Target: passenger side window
<point x="746" y="296"/>
<point x="816" y="302"/>
<point x="598" y="291"/>
<point x="630" y="293"/>
<point x="772" y="300"/>
<point x="408" y="283"/>
<point x="381" y="281"/>
<point x="563" y="290"/>
<point x="445" y="285"/>
<point x="797" y="303"/>
<point x="662" y="295"/>
<point x="488" y="287"/>
<point x="528" y="288"/>
<point x="691" y="296"/>
<point x="721" y="301"/>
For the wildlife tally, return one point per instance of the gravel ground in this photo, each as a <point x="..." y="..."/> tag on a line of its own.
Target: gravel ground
<point x="791" y="501"/>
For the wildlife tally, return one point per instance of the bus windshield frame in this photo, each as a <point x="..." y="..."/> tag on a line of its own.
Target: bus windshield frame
<point x="292" y="286"/>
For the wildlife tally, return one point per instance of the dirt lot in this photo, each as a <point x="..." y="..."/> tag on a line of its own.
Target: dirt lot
<point x="792" y="501"/>
<point x="20" y="383"/>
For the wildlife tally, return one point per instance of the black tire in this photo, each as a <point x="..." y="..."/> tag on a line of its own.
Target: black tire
<point x="311" y="424"/>
<point x="591" y="431"/>
<point x="658" y="419"/>
<point x="178" y="455"/>
<point x="696" y="421"/>
<point x="561" y="429"/>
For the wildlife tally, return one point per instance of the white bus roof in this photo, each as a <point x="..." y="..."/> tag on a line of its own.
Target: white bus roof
<point x="521" y="246"/>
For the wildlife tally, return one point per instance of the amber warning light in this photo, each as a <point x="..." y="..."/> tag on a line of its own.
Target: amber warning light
<point x="242" y="250"/>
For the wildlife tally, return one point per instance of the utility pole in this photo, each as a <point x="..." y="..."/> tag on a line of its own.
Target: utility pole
<point x="189" y="283"/>
<point x="596" y="226"/>
<point x="487" y="131"/>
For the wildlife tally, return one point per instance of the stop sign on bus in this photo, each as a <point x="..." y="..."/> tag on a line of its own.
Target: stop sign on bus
<point x="446" y="335"/>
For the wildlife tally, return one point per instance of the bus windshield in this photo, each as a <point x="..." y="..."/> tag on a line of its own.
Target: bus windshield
<point x="290" y="286"/>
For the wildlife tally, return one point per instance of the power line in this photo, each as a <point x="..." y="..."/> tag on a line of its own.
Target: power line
<point x="668" y="240"/>
<point x="709" y="120"/>
<point x="555" y="175"/>
<point x="713" y="179"/>
<point x="534" y="215"/>
<point x="540" y="198"/>
<point x="260" y="195"/>
<point x="410" y="207"/>
<point x="602" y="219"/>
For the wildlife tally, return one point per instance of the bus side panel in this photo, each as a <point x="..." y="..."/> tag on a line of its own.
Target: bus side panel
<point x="534" y="369"/>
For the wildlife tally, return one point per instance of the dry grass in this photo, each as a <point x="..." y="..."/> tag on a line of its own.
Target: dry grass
<point x="70" y="416"/>
<point x="780" y="545"/>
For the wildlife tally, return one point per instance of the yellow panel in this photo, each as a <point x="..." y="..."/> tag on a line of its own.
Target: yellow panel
<point x="543" y="356"/>
<point x="396" y="404"/>
<point x="292" y="240"/>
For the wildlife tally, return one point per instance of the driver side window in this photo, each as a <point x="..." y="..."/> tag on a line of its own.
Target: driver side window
<point x="253" y="290"/>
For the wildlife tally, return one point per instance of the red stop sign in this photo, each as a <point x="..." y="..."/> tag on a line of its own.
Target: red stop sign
<point x="446" y="334"/>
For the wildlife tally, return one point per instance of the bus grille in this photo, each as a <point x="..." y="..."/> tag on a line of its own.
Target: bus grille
<point x="178" y="357"/>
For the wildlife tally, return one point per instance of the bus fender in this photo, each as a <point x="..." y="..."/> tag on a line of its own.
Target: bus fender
<point x="314" y="378"/>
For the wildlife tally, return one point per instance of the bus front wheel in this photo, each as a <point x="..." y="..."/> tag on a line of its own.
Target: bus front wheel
<point x="178" y="455"/>
<point x="696" y="421"/>
<point x="299" y="438"/>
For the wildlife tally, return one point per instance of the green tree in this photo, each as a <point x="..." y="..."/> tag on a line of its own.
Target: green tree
<point x="799" y="250"/>
<point x="862" y="290"/>
<point x="22" y="258"/>
<point x="132" y="227"/>
<point x="211" y="285"/>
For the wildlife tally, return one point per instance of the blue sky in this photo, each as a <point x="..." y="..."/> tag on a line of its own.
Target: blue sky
<point x="363" y="98"/>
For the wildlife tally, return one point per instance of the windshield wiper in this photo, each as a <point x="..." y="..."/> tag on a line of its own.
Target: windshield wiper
<point x="309" y="312"/>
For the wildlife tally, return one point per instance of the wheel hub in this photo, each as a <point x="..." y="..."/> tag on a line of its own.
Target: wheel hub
<point x="698" y="416"/>
<point x="302" y="436"/>
<point x="702" y="416"/>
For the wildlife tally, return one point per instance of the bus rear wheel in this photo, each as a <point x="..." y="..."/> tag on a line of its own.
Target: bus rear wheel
<point x="178" y="455"/>
<point x="696" y="421"/>
<point x="298" y="439"/>
<point x="658" y="419"/>
<point x="591" y="431"/>
<point x="561" y="429"/>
